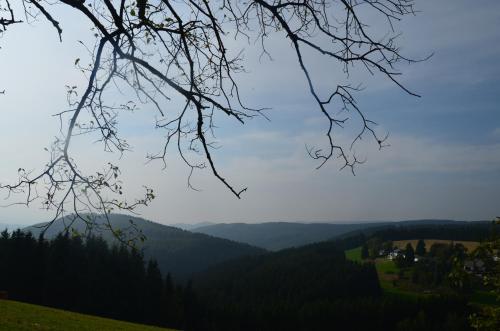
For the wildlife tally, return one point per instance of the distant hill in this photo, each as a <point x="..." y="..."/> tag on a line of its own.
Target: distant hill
<point x="190" y="226"/>
<point x="459" y="230"/>
<point x="177" y="251"/>
<point x="279" y="235"/>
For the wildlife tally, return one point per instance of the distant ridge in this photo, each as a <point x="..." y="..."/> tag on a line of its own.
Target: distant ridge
<point x="177" y="251"/>
<point x="190" y="226"/>
<point x="280" y="235"/>
<point x="444" y="230"/>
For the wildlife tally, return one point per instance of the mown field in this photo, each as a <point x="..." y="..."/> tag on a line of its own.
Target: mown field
<point x="387" y="273"/>
<point x="470" y="245"/>
<point x="354" y="254"/>
<point x="25" y="317"/>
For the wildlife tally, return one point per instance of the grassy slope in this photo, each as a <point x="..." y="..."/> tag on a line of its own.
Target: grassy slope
<point x="354" y="254"/>
<point x="387" y="272"/>
<point x="21" y="316"/>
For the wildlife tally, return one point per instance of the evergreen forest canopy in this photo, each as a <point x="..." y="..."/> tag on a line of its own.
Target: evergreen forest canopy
<point x="306" y="288"/>
<point x="309" y="288"/>
<point x="91" y="277"/>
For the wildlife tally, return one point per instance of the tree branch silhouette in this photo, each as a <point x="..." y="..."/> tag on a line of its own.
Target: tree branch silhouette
<point x="167" y="50"/>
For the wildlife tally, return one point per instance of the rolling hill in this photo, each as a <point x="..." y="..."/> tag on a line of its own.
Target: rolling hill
<point x="177" y="251"/>
<point x="278" y="235"/>
<point x="275" y="236"/>
<point x="27" y="317"/>
<point x="445" y="230"/>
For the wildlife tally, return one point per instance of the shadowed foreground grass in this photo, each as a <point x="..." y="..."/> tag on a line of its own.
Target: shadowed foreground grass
<point x="22" y="316"/>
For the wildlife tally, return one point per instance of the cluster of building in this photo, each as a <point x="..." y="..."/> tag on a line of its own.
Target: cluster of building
<point x="394" y="254"/>
<point x="474" y="266"/>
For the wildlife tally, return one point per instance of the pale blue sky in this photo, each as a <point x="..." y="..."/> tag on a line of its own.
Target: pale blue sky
<point x="443" y="162"/>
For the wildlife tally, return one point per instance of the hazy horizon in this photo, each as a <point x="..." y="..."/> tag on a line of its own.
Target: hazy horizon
<point x="22" y="224"/>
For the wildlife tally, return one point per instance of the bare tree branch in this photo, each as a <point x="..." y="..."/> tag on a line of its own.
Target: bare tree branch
<point x="177" y="50"/>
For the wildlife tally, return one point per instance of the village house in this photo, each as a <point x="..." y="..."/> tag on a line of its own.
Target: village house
<point x="475" y="266"/>
<point x="395" y="253"/>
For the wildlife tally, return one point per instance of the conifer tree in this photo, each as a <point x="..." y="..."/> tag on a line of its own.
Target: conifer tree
<point x="420" y="249"/>
<point x="364" y="251"/>
<point x="409" y="254"/>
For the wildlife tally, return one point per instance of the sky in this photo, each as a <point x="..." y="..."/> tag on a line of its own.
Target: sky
<point x="443" y="160"/>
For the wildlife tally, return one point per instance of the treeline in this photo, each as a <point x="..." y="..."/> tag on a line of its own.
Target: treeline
<point x="471" y="231"/>
<point x="90" y="277"/>
<point x="463" y="231"/>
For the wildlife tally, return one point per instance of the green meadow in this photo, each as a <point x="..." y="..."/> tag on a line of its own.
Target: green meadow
<point x="16" y="316"/>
